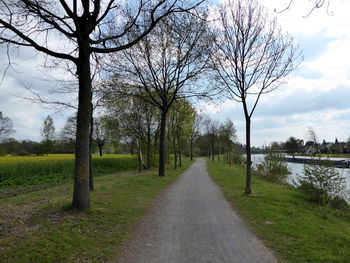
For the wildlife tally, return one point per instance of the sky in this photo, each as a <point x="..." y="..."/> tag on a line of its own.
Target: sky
<point x="316" y="94"/>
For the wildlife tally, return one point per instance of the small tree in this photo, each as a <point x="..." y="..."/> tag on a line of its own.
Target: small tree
<point x="228" y="134"/>
<point x="322" y="182"/>
<point x="274" y="168"/>
<point x="100" y="134"/>
<point x="48" y="134"/>
<point x="252" y="58"/>
<point x="6" y="126"/>
<point x="179" y="121"/>
<point x="113" y="129"/>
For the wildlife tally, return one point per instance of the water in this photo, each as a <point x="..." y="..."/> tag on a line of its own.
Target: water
<point x="297" y="169"/>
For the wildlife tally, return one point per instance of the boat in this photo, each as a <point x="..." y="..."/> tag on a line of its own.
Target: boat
<point x="336" y="162"/>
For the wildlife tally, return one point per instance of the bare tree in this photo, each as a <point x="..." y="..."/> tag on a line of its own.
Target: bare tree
<point x="73" y="31"/>
<point x="6" y="126"/>
<point x="312" y="136"/>
<point x="315" y="5"/>
<point x="253" y="58"/>
<point x="166" y="66"/>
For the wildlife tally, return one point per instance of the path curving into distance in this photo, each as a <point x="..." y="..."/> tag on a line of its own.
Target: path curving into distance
<point x="191" y="222"/>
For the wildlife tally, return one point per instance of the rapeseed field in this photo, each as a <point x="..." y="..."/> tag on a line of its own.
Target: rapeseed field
<point x="56" y="168"/>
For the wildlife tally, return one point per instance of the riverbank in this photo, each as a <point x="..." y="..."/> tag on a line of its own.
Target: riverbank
<point x="296" y="229"/>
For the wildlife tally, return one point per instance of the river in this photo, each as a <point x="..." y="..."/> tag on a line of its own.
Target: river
<point x="297" y="169"/>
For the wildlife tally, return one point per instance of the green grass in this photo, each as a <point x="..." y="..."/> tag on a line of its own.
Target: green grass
<point x="39" y="227"/>
<point x="32" y="171"/>
<point x="295" y="228"/>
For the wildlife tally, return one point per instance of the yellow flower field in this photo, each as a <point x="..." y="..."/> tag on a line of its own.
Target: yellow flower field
<point x="55" y="168"/>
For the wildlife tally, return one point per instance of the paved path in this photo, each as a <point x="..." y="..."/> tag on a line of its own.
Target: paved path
<point x="191" y="222"/>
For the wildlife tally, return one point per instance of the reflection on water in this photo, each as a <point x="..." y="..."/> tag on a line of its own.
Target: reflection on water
<point x="297" y="169"/>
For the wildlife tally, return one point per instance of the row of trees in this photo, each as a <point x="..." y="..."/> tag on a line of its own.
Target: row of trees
<point x="161" y="53"/>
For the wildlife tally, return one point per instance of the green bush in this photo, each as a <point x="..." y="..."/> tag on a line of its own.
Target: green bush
<point x="237" y="158"/>
<point x="274" y="168"/>
<point x="3" y="151"/>
<point x="23" y="153"/>
<point x="323" y="183"/>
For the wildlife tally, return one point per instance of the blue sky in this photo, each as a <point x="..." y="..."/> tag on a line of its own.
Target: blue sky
<point x="316" y="94"/>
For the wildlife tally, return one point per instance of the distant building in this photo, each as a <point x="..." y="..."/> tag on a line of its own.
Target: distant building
<point x="346" y="147"/>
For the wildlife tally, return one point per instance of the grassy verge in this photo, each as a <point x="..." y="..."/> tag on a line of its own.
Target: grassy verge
<point x="298" y="230"/>
<point x="39" y="227"/>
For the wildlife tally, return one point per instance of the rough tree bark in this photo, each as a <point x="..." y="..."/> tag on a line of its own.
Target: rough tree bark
<point x="81" y="196"/>
<point x="91" y="175"/>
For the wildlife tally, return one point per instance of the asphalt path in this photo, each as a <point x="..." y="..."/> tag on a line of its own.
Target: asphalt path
<point x="192" y="222"/>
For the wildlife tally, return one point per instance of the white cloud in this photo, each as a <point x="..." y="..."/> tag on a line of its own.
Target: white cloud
<point x="294" y="21"/>
<point x="333" y="63"/>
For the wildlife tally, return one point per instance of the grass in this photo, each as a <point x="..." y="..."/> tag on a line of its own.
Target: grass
<point x="40" y="227"/>
<point x="20" y="173"/>
<point x="295" y="228"/>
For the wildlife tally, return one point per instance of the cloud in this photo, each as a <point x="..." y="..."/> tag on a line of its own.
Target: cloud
<point x="27" y="71"/>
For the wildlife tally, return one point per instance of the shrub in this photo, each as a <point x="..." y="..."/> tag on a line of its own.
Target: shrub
<point x="3" y="151"/>
<point x="23" y="153"/>
<point x="237" y="158"/>
<point x="274" y="168"/>
<point x="323" y="183"/>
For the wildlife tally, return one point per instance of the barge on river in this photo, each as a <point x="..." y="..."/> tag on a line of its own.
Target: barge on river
<point x="336" y="162"/>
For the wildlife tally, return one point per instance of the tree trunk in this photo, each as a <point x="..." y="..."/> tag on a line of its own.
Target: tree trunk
<point x="139" y="155"/>
<point x="81" y="194"/>
<point x="229" y="153"/>
<point x="212" y="148"/>
<point x="100" y="147"/>
<point x="218" y="151"/>
<point x="248" y="189"/>
<point x="161" y="171"/>
<point x="179" y="149"/>
<point x="175" y="153"/>
<point x="91" y="176"/>
<point x="191" y="149"/>
<point x="168" y="148"/>
<point x="149" y="147"/>
<point x="228" y="147"/>
<point x="132" y="147"/>
<point x="156" y="135"/>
